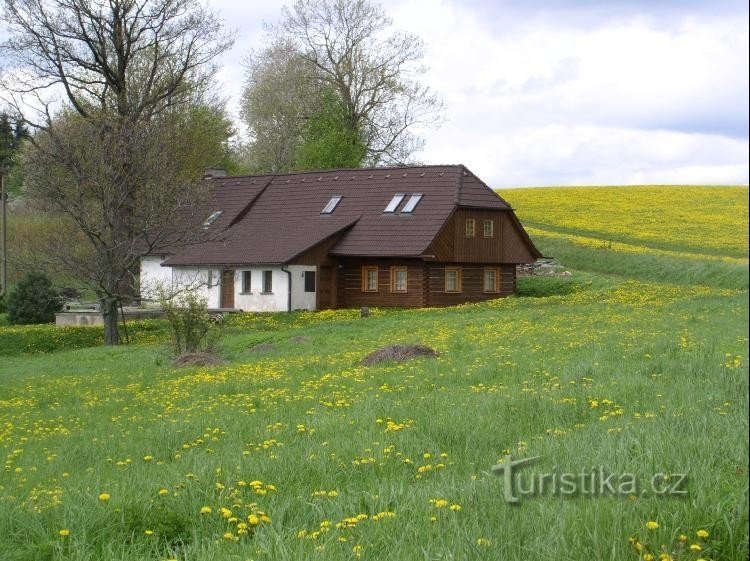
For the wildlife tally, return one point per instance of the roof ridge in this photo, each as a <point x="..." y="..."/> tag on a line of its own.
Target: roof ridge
<point x="333" y="170"/>
<point x="241" y="214"/>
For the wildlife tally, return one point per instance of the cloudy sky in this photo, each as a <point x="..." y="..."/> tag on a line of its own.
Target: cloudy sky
<point x="564" y="92"/>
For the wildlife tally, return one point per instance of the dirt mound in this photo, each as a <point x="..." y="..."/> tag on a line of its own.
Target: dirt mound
<point x="398" y="353"/>
<point x="198" y="359"/>
<point x="263" y="348"/>
<point x="301" y="339"/>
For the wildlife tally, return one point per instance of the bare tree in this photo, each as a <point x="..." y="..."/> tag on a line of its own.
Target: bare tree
<point x="103" y="84"/>
<point x="350" y="47"/>
<point x="281" y="91"/>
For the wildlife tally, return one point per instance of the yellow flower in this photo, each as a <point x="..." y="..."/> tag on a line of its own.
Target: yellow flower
<point x="228" y="536"/>
<point x="64" y="532"/>
<point x="163" y="492"/>
<point x="206" y="510"/>
<point x="648" y="557"/>
<point x="702" y="534"/>
<point x="483" y="542"/>
<point x="225" y="512"/>
<point x="104" y="497"/>
<point x="148" y="532"/>
<point x="147" y="458"/>
<point x="455" y="507"/>
<point x="652" y="525"/>
<point x="253" y="520"/>
<point x="695" y="547"/>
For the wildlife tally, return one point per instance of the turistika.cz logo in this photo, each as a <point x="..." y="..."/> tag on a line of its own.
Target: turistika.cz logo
<point x="592" y="482"/>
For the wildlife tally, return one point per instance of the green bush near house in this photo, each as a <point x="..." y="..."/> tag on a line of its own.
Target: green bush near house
<point x="34" y="300"/>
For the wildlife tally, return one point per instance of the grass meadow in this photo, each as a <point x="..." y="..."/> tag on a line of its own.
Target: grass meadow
<point x="636" y="362"/>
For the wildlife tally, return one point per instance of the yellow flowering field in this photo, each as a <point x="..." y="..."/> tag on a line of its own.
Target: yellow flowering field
<point x="707" y="220"/>
<point x="630" y="371"/>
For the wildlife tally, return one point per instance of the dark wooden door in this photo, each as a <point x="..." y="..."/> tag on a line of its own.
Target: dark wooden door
<point x="326" y="289"/>
<point x="227" y="288"/>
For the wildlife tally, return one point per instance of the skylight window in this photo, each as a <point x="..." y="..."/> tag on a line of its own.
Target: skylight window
<point x="211" y="219"/>
<point x="331" y="206"/>
<point x="395" y="201"/>
<point x="412" y="202"/>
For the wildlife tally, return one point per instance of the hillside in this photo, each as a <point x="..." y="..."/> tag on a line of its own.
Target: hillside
<point x="634" y="366"/>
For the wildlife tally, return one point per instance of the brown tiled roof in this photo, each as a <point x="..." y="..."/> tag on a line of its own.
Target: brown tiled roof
<point x="273" y="219"/>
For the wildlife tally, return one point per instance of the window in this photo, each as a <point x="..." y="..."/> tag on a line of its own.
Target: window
<point x="395" y="201"/>
<point x="398" y="279"/>
<point x="247" y="277"/>
<point x="412" y="203"/>
<point x="492" y="280"/>
<point x="211" y="219"/>
<point x="210" y="278"/>
<point x="332" y="204"/>
<point x="369" y="279"/>
<point x="309" y="281"/>
<point x="471" y="226"/>
<point x="267" y="282"/>
<point x="453" y="279"/>
<point x="489" y="228"/>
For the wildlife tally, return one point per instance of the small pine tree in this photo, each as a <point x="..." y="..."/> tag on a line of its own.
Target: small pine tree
<point x="34" y="300"/>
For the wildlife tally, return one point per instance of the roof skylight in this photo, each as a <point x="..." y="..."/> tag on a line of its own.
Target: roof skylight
<point x="395" y="201"/>
<point x="211" y="219"/>
<point x="332" y="204"/>
<point x="412" y="202"/>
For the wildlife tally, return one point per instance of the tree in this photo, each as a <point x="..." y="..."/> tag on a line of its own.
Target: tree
<point x="372" y="68"/>
<point x="327" y="141"/>
<point x="281" y="91"/>
<point x="348" y="48"/>
<point x="34" y="300"/>
<point x="107" y="86"/>
<point x="12" y="135"/>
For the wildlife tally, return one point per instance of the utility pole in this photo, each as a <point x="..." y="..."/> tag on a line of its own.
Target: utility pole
<point x="3" y="237"/>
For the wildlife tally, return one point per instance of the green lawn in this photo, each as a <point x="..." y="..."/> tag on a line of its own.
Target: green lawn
<point x="637" y="363"/>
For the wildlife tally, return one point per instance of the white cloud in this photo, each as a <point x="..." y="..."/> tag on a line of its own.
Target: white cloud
<point x="543" y="104"/>
<point x="642" y="97"/>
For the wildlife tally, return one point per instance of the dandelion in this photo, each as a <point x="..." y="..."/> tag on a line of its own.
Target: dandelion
<point x="253" y="520"/>
<point x="483" y="542"/>
<point x="148" y="532"/>
<point x="206" y="510"/>
<point x="64" y="533"/>
<point x="695" y="547"/>
<point x="702" y="534"/>
<point x="148" y="458"/>
<point x="104" y="497"/>
<point x="163" y="492"/>
<point x="652" y="525"/>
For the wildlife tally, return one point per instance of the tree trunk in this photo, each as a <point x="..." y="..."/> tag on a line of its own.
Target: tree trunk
<point x="109" y="308"/>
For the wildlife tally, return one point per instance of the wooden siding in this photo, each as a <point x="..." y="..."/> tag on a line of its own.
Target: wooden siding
<point x="516" y="249"/>
<point x="318" y="254"/>
<point x="349" y="281"/>
<point x="451" y="244"/>
<point x="326" y="290"/>
<point x="472" y="283"/>
<point x="507" y="245"/>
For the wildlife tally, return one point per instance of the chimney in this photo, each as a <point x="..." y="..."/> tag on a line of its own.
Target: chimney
<point x="214" y="172"/>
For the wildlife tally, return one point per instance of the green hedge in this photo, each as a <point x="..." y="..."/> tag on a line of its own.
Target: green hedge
<point x="47" y="338"/>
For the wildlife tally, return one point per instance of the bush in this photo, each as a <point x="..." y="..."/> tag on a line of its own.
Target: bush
<point x="193" y="329"/>
<point x="34" y="300"/>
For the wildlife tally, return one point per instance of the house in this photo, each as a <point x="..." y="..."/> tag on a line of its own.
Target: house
<point x="412" y="236"/>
